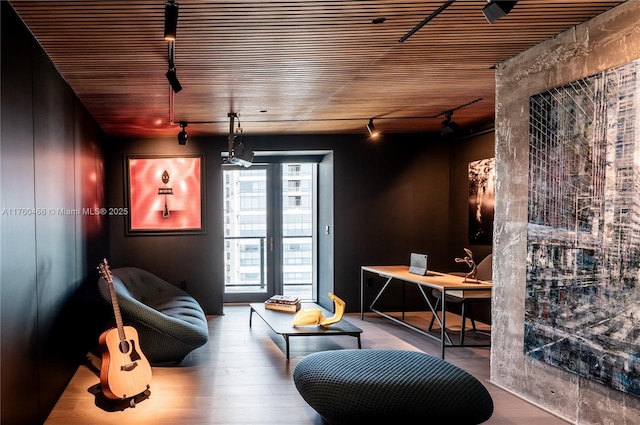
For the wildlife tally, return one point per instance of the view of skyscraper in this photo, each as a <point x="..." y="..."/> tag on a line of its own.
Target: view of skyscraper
<point x="252" y="234"/>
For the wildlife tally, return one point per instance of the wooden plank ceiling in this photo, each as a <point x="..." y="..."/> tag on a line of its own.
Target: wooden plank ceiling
<point x="289" y="67"/>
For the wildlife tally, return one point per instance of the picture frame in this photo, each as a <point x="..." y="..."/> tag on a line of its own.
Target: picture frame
<point x="165" y="194"/>
<point x="481" y="201"/>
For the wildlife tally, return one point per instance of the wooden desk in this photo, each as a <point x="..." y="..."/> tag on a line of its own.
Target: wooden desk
<point x="449" y="284"/>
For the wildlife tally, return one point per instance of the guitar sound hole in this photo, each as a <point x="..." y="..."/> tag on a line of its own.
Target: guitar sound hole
<point x="124" y="346"/>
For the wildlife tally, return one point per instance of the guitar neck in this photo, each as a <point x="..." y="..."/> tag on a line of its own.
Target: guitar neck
<point x="106" y="275"/>
<point x="116" y="310"/>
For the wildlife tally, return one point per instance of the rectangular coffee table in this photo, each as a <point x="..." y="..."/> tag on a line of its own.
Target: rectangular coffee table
<point x="280" y="323"/>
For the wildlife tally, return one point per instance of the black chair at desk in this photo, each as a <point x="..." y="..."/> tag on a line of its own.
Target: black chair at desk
<point x="484" y="272"/>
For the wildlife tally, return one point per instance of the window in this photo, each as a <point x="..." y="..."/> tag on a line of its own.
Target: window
<point x="269" y="231"/>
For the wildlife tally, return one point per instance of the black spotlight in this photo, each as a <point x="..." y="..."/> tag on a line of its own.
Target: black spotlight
<point x="448" y="126"/>
<point x="173" y="80"/>
<point x="495" y="10"/>
<point x="170" y="20"/>
<point x="182" y="136"/>
<point x="372" y="129"/>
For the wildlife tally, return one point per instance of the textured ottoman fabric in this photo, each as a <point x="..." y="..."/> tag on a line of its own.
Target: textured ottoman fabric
<point x="170" y="323"/>
<point x="351" y="386"/>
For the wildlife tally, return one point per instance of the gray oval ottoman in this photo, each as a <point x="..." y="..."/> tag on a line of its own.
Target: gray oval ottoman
<point x="351" y="386"/>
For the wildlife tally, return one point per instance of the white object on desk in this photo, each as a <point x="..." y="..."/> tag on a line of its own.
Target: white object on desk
<point x="418" y="264"/>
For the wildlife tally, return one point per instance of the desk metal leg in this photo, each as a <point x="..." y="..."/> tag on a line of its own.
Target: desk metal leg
<point x="403" y="299"/>
<point x="444" y="336"/>
<point x="435" y="316"/>
<point x="361" y="294"/>
<point x="463" y="327"/>
<point x="443" y="332"/>
<point x="384" y="288"/>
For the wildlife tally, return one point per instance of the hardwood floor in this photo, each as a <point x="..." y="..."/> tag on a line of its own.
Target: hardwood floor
<point x="241" y="376"/>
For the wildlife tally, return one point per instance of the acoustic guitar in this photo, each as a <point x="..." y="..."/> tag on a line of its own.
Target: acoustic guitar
<point x="125" y="371"/>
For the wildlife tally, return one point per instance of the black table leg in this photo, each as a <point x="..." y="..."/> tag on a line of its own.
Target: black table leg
<point x="286" y="340"/>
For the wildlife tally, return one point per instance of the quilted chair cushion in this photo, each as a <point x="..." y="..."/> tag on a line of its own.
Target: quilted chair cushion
<point x="390" y="386"/>
<point x="170" y="323"/>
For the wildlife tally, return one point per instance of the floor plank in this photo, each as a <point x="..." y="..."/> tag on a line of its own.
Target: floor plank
<point x="241" y="376"/>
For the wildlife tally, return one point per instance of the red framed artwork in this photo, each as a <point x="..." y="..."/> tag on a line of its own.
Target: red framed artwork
<point x="165" y="194"/>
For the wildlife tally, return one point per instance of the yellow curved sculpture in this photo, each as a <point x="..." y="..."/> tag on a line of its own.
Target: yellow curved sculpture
<point x="307" y="317"/>
<point x="313" y="316"/>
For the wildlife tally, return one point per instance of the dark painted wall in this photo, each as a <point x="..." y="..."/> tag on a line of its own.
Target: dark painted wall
<point x="391" y="198"/>
<point x="50" y="164"/>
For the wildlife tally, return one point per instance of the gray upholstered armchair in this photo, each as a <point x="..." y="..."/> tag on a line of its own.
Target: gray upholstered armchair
<point x="170" y="323"/>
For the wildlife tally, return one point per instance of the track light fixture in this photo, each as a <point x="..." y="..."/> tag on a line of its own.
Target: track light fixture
<point x="170" y="20"/>
<point x="171" y="73"/>
<point x="495" y="10"/>
<point x="448" y="126"/>
<point x="173" y="79"/>
<point x="182" y="136"/>
<point x="372" y="129"/>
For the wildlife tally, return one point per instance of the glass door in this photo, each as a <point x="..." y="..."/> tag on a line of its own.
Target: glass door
<point x="269" y="236"/>
<point x="247" y="242"/>
<point x="298" y="237"/>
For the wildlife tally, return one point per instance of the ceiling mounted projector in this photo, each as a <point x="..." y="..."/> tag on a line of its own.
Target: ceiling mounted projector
<point x="240" y="155"/>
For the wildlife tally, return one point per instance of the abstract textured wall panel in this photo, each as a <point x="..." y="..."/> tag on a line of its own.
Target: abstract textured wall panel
<point x="583" y="235"/>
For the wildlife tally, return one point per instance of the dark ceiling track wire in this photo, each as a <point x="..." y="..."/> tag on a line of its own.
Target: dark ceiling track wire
<point x="426" y="20"/>
<point x="443" y="113"/>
